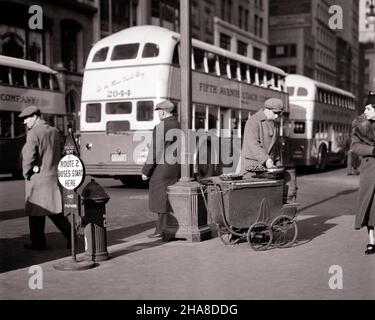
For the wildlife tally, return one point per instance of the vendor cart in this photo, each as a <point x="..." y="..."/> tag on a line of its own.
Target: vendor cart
<point x="253" y="209"/>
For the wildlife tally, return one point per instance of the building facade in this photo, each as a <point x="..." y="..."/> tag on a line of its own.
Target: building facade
<point x="367" y="49"/>
<point x="302" y="42"/>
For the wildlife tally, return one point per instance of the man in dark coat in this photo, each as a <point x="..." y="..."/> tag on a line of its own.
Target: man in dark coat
<point x="40" y="157"/>
<point x="162" y="165"/>
<point x="363" y="144"/>
<point x="260" y="144"/>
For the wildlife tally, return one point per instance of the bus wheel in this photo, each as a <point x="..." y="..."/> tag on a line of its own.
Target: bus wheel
<point x="17" y="174"/>
<point x="134" y="181"/>
<point x="322" y="160"/>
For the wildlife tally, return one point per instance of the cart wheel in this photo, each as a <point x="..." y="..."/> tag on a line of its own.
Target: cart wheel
<point x="259" y="236"/>
<point x="284" y="230"/>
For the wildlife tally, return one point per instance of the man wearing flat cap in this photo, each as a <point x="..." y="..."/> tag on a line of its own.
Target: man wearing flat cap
<point x="159" y="169"/>
<point x="260" y="144"/>
<point x="40" y="157"/>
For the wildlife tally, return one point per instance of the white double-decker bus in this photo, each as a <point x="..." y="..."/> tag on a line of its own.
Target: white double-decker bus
<point x="24" y="83"/>
<point x="129" y="72"/>
<point x="320" y="122"/>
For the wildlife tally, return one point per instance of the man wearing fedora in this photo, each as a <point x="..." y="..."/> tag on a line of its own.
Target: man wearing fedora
<point x="260" y="138"/>
<point x="40" y="157"/>
<point x="158" y="167"/>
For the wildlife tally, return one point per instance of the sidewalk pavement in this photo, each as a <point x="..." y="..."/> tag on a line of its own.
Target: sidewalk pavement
<point x="142" y="268"/>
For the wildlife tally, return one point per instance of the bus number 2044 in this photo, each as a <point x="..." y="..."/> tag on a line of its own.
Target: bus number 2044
<point x="118" y="93"/>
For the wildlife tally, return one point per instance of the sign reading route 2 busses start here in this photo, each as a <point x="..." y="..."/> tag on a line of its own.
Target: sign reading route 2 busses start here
<point x="70" y="172"/>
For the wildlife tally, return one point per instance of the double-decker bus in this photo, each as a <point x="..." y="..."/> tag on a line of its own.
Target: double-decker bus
<point x="24" y="83"/>
<point x="320" y="122"/>
<point x="129" y="72"/>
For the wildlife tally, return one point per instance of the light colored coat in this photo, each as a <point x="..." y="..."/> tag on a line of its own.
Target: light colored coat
<point x="363" y="144"/>
<point x="259" y="142"/>
<point x="42" y="149"/>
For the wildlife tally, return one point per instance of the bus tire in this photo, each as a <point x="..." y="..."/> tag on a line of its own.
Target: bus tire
<point x="134" y="181"/>
<point x="322" y="160"/>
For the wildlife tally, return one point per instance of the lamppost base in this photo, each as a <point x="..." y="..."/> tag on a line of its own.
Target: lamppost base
<point x="72" y="265"/>
<point x="188" y="219"/>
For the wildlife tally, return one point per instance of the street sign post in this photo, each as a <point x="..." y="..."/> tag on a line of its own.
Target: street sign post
<point x="71" y="174"/>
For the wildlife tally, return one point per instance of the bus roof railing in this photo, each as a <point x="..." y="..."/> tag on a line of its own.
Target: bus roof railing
<point x="318" y="84"/>
<point x="147" y="33"/>
<point x="24" y="64"/>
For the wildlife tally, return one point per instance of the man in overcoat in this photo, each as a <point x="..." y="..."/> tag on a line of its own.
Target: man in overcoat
<point x="260" y="138"/>
<point x="162" y="166"/>
<point x="363" y="144"/>
<point x="40" y="157"/>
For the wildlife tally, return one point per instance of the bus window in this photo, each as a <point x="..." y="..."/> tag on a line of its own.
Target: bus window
<point x="117" y="127"/>
<point x="19" y="126"/>
<point x="5" y="124"/>
<point x="233" y="69"/>
<point x="223" y="66"/>
<point x="93" y="112"/>
<point x="299" y="127"/>
<point x="55" y="83"/>
<point x="45" y="81"/>
<point x="100" y="55"/>
<point x="4" y="75"/>
<point x="150" y="50"/>
<point x="125" y="51"/>
<point x="200" y="117"/>
<point x="145" y="110"/>
<point x="118" y="107"/>
<point x="212" y="118"/>
<point x="290" y="90"/>
<point x="211" y="62"/>
<point x="301" y="92"/>
<point x="199" y="59"/>
<point x="176" y="55"/>
<point x="32" y="79"/>
<point x="18" y="77"/>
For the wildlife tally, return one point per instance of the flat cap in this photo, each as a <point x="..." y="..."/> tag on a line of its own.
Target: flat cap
<point x="165" y="105"/>
<point x="274" y="104"/>
<point x="29" y="111"/>
<point x="370" y="98"/>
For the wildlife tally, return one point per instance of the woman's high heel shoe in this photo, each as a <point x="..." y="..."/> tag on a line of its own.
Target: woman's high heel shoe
<point x="370" y="249"/>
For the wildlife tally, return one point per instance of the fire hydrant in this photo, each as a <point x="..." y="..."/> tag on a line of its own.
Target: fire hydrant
<point x="94" y="220"/>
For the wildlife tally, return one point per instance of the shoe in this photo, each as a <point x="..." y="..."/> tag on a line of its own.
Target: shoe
<point x="155" y="235"/>
<point x="370" y="249"/>
<point x="30" y="246"/>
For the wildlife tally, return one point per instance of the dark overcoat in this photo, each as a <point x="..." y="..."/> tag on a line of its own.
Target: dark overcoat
<point x="259" y="142"/>
<point x="162" y="165"/>
<point x="42" y="149"/>
<point x="363" y="144"/>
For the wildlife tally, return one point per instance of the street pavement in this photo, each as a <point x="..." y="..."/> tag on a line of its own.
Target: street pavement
<point x="147" y="269"/>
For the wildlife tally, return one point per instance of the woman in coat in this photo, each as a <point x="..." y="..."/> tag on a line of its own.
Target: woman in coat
<point x="40" y="157"/>
<point x="162" y="166"/>
<point x="363" y="144"/>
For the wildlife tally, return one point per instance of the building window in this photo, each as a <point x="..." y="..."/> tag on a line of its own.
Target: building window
<point x="195" y="15"/>
<point x="257" y="54"/>
<point x="224" y="41"/>
<point x="242" y="48"/>
<point x="240" y="10"/>
<point x="283" y="51"/>
<point x="69" y="44"/>
<point x="208" y="20"/>
<point x="246" y="20"/>
<point x="261" y="27"/>
<point x="256" y="18"/>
